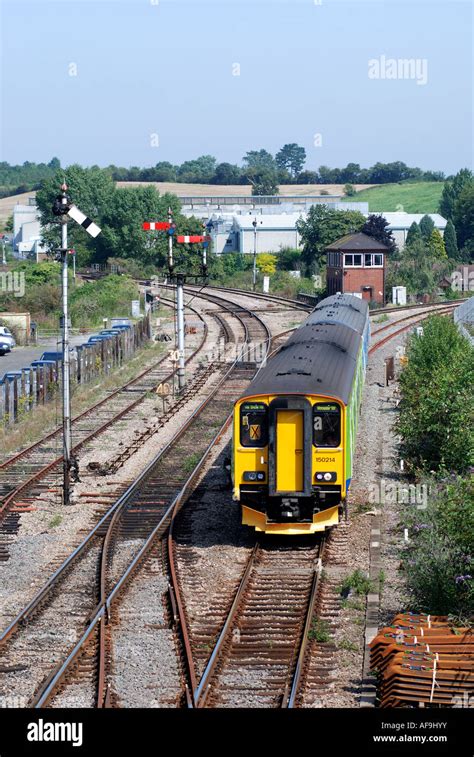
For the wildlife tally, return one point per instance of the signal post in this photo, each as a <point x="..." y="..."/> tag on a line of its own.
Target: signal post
<point x="180" y="279"/>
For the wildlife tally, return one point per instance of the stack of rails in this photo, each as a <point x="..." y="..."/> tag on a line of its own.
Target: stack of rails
<point x="421" y="660"/>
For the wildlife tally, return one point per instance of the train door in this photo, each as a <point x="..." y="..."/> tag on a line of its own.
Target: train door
<point x="289" y="448"/>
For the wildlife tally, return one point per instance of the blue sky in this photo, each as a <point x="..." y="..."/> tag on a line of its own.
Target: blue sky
<point x="166" y="68"/>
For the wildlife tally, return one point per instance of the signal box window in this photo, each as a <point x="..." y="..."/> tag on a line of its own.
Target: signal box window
<point x="326" y="424"/>
<point x="253" y="424"/>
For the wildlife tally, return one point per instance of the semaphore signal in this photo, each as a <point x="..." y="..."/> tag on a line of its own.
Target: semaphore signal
<point x="63" y="207"/>
<point x="180" y="278"/>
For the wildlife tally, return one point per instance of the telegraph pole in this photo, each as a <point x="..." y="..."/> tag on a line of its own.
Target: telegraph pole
<point x="254" y="224"/>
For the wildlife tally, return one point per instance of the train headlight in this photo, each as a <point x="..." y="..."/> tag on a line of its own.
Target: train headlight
<point x="253" y="475"/>
<point x="326" y="476"/>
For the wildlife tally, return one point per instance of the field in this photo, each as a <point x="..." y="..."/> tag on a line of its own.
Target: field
<point x="195" y="190"/>
<point x="418" y="197"/>
<point x="8" y="203"/>
<point x="240" y="190"/>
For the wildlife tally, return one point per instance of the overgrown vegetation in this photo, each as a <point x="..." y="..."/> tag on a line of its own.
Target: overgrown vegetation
<point x="438" y="561"/>
<point x="107" y="297"/>
<point x="356" y="582"/>
<point x="437" y="407"/>
<point x="320" y="631"/>
<point x="437" y="443"/>
<point x="235" y="269"/>
<point x="89" y="302"/>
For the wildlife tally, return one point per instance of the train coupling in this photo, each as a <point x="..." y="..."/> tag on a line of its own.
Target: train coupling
<point x="290" y="508"/>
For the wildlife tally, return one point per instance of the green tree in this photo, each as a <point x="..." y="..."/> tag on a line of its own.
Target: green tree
<point x="437" y="384"/>
<point x="463" y="215"/>
<point x="376" y="227"/>
<point x="289" y="259"/>
<point x="291" y="157"/>
<point x="198" y="171"/>
<point x="416" y="268"/>
<point x="351" y="173"/>
<point x="426" y="227"/>
<point x="91" y="189"/>
<point x="436" y="245"/>
<point x="164" y="171"/>
<point x="226" y="173"/>
<point x="414" y="234"/>
<point x="450" y="241"/>
<point x="452" y="190"/>
<point x="308" y="177"/>
<point x="323" y="226"/>
<point x="264" y="182"/>
<point x="260" y="159"/>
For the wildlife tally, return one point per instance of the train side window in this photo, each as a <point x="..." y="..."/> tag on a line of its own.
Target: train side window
<point x="326" y="424"/>
<point x="253" y="424"/>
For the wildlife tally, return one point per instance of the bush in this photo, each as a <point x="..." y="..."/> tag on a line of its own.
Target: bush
<point x="289" y="259"/>
<point x="438" y="560"/>
<point x="108" y="297"/>
<point x="435" y="421"/>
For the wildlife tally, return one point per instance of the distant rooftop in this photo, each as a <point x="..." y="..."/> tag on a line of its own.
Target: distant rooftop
<point x="402" y="220"/>
<point x="265" y="222"/>
<point x="357" y="242"/>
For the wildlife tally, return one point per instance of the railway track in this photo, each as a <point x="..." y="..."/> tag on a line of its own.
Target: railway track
<point x="37" y="469"/>
<point x="120" y="545"/>
<point x="258" y="644"/>
<point x="263" y="642"/>
<point x="112" y="552"/>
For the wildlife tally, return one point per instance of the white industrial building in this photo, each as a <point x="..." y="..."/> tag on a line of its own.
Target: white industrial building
<point x="27" y="231"/>
<point x="400" y="222"/>
<point x="235" y="231"/>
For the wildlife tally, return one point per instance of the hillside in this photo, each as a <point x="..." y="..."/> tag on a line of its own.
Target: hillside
<point x="416" y="197"/>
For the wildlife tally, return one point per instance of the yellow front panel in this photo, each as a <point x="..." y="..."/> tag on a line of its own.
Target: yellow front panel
<point x="289" y="451"/>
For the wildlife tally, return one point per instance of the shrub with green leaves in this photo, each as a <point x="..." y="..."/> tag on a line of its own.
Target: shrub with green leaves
<point x="438" y="560"/>
<point x="437" y="407"/>
<point x="107" y="297"/>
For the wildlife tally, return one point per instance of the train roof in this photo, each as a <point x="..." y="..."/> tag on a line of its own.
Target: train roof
<point x="317" y="359"/>
<point x="346" y="300"/>
<point x="338" y="315"/>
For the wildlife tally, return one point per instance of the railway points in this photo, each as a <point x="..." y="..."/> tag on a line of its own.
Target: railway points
<point x="87" y="674"/>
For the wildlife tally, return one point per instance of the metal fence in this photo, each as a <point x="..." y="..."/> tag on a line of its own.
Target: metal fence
<point x="40" y="384"/>
<point x="464" y="314"/>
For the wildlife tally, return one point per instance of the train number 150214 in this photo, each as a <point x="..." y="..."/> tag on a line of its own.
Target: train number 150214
<point x="325" y="459"/>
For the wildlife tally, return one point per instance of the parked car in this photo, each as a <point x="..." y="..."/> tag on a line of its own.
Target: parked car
<point x="7" y="336"/>
<point x="5" y="346"/>
<point x="98" y="338"/>
<point x="52" y="356"/>
<point x="121" y="327"/>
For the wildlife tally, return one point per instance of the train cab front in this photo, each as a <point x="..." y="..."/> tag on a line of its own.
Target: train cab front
<point x="281" y="487"/>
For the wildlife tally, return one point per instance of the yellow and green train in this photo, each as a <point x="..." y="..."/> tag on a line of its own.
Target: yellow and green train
<point x="295" y="425"/>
